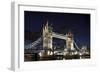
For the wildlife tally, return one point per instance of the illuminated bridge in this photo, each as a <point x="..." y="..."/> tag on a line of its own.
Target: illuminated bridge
<point x="56" y="35"/>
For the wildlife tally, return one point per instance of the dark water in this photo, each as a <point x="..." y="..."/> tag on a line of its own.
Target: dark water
<point x="36" y="57"/>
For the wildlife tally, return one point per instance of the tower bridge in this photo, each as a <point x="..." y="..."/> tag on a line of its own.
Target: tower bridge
<point x="47" y="39"/>
<point x="48" y="51"/>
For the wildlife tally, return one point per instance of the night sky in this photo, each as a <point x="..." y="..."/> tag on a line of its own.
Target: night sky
<point x="78" y="24"/>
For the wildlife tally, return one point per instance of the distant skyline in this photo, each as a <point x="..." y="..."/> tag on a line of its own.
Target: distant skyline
<point x="78" y="24"/>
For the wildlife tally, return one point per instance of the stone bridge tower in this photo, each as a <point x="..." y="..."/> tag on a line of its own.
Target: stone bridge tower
<point x="70" y="41"/>
<point x="47" y="37"/>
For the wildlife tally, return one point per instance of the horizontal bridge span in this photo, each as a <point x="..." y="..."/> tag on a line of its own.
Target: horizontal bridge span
<point x="60" y="36"/>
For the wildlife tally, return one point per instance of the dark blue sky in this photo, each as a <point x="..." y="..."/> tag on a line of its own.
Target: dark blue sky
<point x="78" y="24"/>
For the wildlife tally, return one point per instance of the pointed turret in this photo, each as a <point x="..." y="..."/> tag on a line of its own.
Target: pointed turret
<point x="69" y="34"/>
